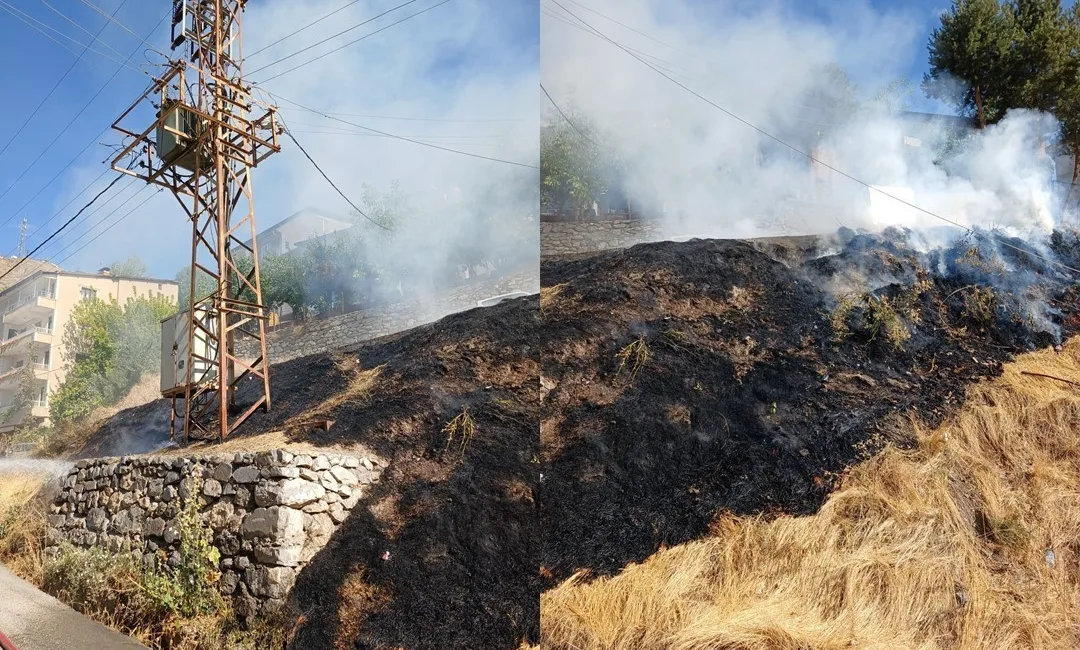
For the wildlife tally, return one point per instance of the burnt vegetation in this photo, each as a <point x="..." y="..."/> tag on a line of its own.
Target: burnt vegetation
<point x="764" y="379"/>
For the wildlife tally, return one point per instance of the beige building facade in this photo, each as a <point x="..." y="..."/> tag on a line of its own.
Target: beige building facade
<point x="34" y="313"/>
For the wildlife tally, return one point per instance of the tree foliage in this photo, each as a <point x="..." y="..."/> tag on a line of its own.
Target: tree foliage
<point x="132" y="267"/>
<point x="969" y="56"/>
<point x="574" y="166"/>
<point x="108" y="348"/>
<point x="204" y="285"/>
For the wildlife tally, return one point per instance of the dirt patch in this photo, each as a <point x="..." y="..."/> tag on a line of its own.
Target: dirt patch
<point x="443" y="551"/>
<point x="748" y="399"/>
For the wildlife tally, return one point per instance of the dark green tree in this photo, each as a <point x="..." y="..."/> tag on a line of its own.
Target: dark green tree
<point x="574" y="166"/>
<point x="969" y="59"/>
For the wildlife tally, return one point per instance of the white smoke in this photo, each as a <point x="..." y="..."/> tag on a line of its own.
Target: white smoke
<point x="708" y="174"/>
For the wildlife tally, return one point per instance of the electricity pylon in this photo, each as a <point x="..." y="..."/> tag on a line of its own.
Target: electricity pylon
<point x="209" y="133"/>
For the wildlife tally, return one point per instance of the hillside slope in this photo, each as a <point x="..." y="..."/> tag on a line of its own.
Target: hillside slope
<point x="445" y="553"/>
<point x="683" y="380"/>
<point x="966" y="541"/>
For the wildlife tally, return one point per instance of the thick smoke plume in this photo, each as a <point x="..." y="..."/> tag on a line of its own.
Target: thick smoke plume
<point x="709" y="175"/>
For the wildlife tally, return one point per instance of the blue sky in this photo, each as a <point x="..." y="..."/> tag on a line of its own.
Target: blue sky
<point x="440" y="60"/>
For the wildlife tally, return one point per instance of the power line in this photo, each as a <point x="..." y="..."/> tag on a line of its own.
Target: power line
<point x="110" y="227"/>
<point x="291" y="34"/>
<point x="50" y="94"/>
<point x="61" y="228"/>
<point x="330" y="38"/>
<point x="95" y="37"/>
<point x="102" y="207"/>
<point x="807" y="155"/>
<point x="427" y="119"/>
<point x="353" y="42"/>
<point x="30" y="20"/>
<point x="316" y="165"/>
<point x="113" y="19"/>
<point x="568" y="120"/>
<point x="78" y="155"/>
<point x="399" y="137"/>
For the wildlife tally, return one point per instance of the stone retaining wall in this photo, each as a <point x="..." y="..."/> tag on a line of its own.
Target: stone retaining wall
<point x="320" y="335"/>
<point x="572" y="238"/>
<point x="270" y="512"/>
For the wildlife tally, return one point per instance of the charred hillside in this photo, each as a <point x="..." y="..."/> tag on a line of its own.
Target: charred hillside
<point x="443" y="552"/>
<point x="681" y="380"/>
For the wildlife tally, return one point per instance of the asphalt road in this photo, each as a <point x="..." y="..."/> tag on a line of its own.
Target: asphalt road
<point x="34" y="620"/>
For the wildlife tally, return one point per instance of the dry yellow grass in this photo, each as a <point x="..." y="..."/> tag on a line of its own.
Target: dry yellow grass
<point x="970" y="542"/>
<point x="22" y="523"/>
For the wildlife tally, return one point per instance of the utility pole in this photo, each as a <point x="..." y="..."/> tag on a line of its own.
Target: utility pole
<point x="205" y="135"/>
<point x="22" y="237"/>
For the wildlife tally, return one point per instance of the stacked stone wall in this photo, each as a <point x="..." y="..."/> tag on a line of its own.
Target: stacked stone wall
<point x="577" y="237"/>
<point x="270" y="512"/>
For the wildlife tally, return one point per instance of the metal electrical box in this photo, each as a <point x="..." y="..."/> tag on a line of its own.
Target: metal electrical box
<point x="171" y="147"/>
<point x="174" y="347"/>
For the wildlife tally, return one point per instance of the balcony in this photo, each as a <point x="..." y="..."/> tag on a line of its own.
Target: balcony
<point x="10" y="377"/>
<point x="29" y="307"/>
<point x="17" y="343"/>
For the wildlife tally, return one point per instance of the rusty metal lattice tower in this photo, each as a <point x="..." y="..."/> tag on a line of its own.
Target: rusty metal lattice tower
<point x="209" y="133"/>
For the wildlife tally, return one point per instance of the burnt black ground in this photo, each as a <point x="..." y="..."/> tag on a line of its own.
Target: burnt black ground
<point x="460" y="528"/>
<point x="710" y="424"/>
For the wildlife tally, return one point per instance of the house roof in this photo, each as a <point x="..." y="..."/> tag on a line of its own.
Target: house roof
<point x="28" y="268"/>
<point x="37" y="271"/>
<point x="299" y="215"/>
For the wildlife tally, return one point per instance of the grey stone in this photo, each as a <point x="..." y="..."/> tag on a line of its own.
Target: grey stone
<point x="242" y="562"/>
<point x="122" y="523"/>
<point x="303" y="460"/>
<point x="186" y="487"/>
<point x="172" y="478"/>
<point x="316" y="506"/>
<point x="154" y="527"/>
<point x="246" y="475"/>
<point x="220" y="515"/>
<point x="298" y="492"/>
<point x="338" y="513"/>
<point x="278" y="471"/>
<point x="344" y="476"/>
<point x="279" y="555"/>
<point x="223" y="472"/>
<point x="168" y="494"/>
<point x="267" y="494"/>
<point x="243" y="497"/>
<point x="229" y="581"/>
<point x="96" y="519"/>
<point x="155" y="489"/>
<point x="350" y="462"/>
<point x="171" y="534"/>
<point x="321" y="462"/>
<point x="270" y="582"/>
<point x="309" y="475"/>
<point x="211" y="488"/>
<point x="284" y="524"/>
<point x="57" y="521"/>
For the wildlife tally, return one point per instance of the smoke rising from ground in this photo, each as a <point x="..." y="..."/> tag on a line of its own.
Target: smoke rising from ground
<point x="709" y="175"/>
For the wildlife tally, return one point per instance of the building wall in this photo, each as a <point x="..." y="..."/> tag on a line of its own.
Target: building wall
<point x="270" y="512"/>
<point x="284" y="237"/>
<point x="68" y="292"/>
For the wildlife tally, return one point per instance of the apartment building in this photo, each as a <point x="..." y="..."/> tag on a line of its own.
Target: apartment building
<point x="33" y="314"/>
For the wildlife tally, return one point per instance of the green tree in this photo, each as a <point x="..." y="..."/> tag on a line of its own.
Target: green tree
<point x="574" y="166"/>
<point x="387" y="208"/>
<point x="108" y="348"/>
<point x="1038" y="56"/>
<point x="132" y="267"/>
<point x="969" y="59"/>
<point x="204" y="285"/>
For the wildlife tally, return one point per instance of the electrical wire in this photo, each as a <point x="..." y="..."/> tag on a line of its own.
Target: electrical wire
<point x="50" y="94"/>
<point x="110" y="227"/>
<point x="291" y="34"/>
<point x="61" y="228"/>
<point x="76" y="157"/>
<point x="30" y="20"/>
<point x="807" y="155"/>
<point x="399" y="137"/>
<point x="95" y="37"/>
<point x="568" y="120"/>
<point x="330" y="38"/>
<point x="101" y="208"/>
<point x="353" y="42"/>
<point x="113" y="19"/>
<point x="316" y="165"/>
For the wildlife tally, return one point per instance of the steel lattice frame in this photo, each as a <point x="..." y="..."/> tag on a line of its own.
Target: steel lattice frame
<point x="232" y="134"/>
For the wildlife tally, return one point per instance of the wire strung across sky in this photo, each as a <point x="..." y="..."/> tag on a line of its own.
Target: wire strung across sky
<point x="353" y="42"/>
<point x="294" y="33"/>
<point x="399" y="137"/>
<point x="61" y="228"/>
<point x="795" y="149"/>
<point x="76" y="157"/>
<point x="329" y="38"/>
<point x="30" y="22"/>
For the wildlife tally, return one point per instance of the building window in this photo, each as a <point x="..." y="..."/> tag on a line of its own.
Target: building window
<point x="88" y="293"/>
